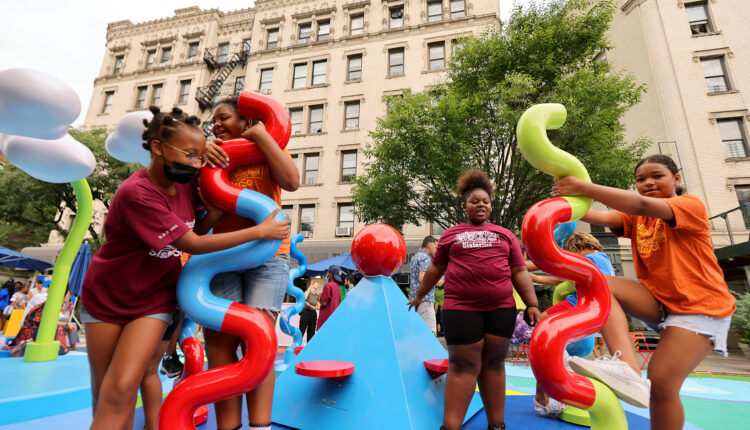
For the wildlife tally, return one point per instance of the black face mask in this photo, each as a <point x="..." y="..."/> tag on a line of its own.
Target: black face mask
<point x="180" y="173"/>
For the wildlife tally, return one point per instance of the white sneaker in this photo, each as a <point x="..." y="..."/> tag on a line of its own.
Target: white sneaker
<point x="618" y="376"/>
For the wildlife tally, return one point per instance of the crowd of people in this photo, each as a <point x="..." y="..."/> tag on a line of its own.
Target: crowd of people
<point x="159" y="213"/>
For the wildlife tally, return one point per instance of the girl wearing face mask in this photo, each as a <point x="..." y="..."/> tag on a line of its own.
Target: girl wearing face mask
<point x="262" y="287"/>
<point x="129" y="291"/>
<point x="482" y="263"/>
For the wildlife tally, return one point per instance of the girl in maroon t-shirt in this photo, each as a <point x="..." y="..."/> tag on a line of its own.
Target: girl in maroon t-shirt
<point x="482" y="262"/>
<point x="129" y="290"/>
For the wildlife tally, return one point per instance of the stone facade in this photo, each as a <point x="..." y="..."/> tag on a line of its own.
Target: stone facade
<point x="693" y="57"/>
<point x="331" y="63"/>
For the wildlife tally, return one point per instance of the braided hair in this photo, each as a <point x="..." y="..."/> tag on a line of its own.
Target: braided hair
<point x="164" y="125"/>
<point x="472" y="179"/>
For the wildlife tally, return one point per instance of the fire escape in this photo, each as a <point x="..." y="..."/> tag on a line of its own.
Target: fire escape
<point x="222" y="60"/>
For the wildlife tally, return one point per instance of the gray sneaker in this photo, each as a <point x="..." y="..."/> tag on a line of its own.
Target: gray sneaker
<point x="618" y="376"/>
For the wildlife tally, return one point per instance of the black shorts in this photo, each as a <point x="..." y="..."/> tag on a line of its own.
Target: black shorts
<point x="467" y="327"/>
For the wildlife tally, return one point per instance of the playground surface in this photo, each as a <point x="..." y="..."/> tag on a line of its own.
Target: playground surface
<point x="57" y="393"/>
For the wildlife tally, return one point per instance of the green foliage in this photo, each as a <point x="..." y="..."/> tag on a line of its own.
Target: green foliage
<point x="544" y="53"/>
<point x="439" y="296"/>
<point x="741" y="318"/>
<point x="32" y="208"/>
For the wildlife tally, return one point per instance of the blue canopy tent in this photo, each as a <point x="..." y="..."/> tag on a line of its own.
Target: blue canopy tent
<point x="78" y="272"/>
<point x="343" y="260"/>
<point x="15" y="259"/>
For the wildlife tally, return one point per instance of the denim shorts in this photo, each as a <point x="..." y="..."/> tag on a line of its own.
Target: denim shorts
<point x="716" y="329"/>
<point x="87" y="318"/>
<point x="261" y="287"/>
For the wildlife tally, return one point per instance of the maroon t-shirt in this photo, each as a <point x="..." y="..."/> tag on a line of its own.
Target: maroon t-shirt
<point x="478" y="260"/>
<point x="135" y="271"/>
<point x="331" y="295"/>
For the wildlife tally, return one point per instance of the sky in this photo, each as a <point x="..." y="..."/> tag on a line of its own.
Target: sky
<point x="66" y="38"/>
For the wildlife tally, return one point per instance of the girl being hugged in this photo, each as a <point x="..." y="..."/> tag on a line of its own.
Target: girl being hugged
<point x="129" y="291"/>
<point x="482" y="263"/>
<point x="262" y="287"/>
<point x="680" y="292"/>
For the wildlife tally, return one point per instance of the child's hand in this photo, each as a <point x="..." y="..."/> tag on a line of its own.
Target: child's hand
<point x="215" y="155"/>
<point x="414" y="303"/>
<point x="254" y="131"/>
<point x="273" y="230"/>
<point x="211" y="209"/>
<point x="567" y="186"/>
<point x="532" y="315"/>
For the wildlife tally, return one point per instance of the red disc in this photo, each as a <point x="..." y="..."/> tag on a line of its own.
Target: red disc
<point x="437" y="365"/>
<point x="324" y="368"/>
<point x="378" y="249"/>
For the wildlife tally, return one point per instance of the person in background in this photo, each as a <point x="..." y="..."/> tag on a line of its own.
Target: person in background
<point x="308" y="318"/>
<point x="417" y="266"/>
<point x="331" y="296"/>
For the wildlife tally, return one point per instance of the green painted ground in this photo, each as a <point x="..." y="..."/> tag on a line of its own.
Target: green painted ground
<point x="715" y="415"/>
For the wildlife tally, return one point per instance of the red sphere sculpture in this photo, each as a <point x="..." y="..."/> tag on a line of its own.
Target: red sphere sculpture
<point x="378" y="249"/>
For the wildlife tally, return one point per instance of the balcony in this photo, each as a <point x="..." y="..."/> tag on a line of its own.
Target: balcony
<point x="218" y="56"/>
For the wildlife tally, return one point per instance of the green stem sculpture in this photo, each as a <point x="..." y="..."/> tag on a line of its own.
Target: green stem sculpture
<point x="45" y="348"/>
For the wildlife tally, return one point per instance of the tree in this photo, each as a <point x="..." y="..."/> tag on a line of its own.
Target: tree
<point x="32" y="209"/>
<point x="545" y="53"/>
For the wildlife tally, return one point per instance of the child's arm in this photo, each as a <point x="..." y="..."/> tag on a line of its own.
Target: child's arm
<point x="546" y="280"/>
<point x="269" y="229"/>
<point x="521" y="280"/>
<point x="283" y="169"/>
<point x="212" y="216"/>
<point x="621" y="200"/>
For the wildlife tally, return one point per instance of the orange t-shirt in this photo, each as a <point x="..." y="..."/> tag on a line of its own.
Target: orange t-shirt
<point x="256" y="177"/>
<point x="677" y="262"/>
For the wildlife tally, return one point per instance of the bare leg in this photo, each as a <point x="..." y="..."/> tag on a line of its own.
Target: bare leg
<point x="260" y="400"/>
<point x="633" y="298"/>
<point x="151" y="389"/>
<point x="465" y="363"/>
<point x="221" y="349"/>
<point x="119" y="388"/>
<point x="101" y="338"/>
<point x="678" y="353"/>
<point x="492" y="378"/>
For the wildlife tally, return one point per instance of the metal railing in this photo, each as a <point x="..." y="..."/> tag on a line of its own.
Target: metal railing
<point x="217" y="56"/>
<point x="725" y="217"/>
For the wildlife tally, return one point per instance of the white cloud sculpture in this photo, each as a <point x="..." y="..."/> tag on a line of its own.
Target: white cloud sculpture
<point x="58" y="161"/>
<point x="125" y="143"/>
<point x="36" y="104"/>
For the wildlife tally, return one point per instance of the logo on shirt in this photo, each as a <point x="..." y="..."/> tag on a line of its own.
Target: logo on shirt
<point x="649" y="240"/>
<point x="169" y="250"/>
<point x="477" y="239"/>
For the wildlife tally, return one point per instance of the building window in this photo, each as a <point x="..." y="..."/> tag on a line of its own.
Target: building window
<point x="307" y="219"/>
<point x="434" y="11"/>
<point x="457" y="9"/>
<point x="165" y="54"/>
<point x="305" y="30"/>
<point x="239" y="85"/>
<point x="300" y="75"/>
<point x="140" y="98"/>
<point x="295" y="116"/>
<point x="436" y="229"/>
<point x="287" y="211"/>
<point x="273" y="39"/>
<point x="715" y="74"/>
<point x="246" y="45"/>
<point x="319" y="72"/>
<point x="743" y="197"/>
<point x="150" y="56"/>
<point x="108" y="96"/>
<point x="266" y="78"/>
<point x="352" y="115"/>
<point x="222" y="53"/>
<point x="156" y="94"/>
<point x="697" y="14"/>
<point x="357" y="25"/>
<point x="324" y="30"/>
<point x="184" y="91"/>
<point x="437" y="55"/>
<point x="316" y="119"/>
<point x="311" y="168"/>
<point x="355" y="67"/>
<point x="396" y="62"/>
<point x="192" y="52"/>
<point x="118" y="64"/>
<point x="733" y="137"/>
<point x="348" y="165"/>
<point x="346" y="216"/>
<point x="397" y="17"/>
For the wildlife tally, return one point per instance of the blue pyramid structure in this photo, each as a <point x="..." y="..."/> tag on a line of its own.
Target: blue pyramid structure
<point x="389" y="389"/>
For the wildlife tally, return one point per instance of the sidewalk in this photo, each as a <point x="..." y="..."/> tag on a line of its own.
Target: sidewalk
<point x="736" y="364"/>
